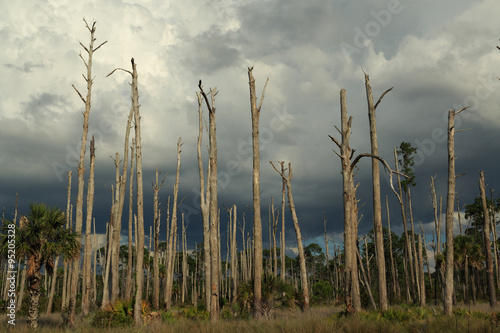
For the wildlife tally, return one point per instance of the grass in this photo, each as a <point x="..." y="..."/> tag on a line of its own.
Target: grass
<point x="478" y="318"/>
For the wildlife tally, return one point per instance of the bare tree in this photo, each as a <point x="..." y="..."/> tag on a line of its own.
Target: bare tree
<point x="204" y="204"/>
<point x="487" y="242"/>
<point x="377" y="206"/>
<point x="171" y="249"/>
<point x="213" y="208"/>
<point x="257" y="222"/>
<point x="421" y="271"/>
<point x="87" y="286"/>
<point x="65" y="271"/>
<point x="282" y="246"/>
<point x="81" y="165"/>
<point x="156" y="219"/>
<point x="300" y="246"/>
<point x="128" y="285"/>
<point x="450" y="210"/>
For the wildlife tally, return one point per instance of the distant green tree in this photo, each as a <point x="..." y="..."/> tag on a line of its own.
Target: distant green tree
<point x="41" y="237"/>
<point x="405" y="159"/>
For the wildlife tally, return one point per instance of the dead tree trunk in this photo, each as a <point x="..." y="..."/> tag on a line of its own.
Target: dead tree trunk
<point x="234" y="253"/>
<point x="128" y="285"/>
<point x="257" y="223"/>
<point x="351" y="270"/>
<point x="53" y="286"/>
<point x="204" y="206"/>
<point x="65" y="272"/>
<point x="213" y="206"/>
<point x="88" y="229"/>
<point x="81" y="166"/>
<point x="394" y="272"/>
<point x="450" y="210"/>
<point x="487" y="243"/>
<point x="282" y="248"/>
<point x="302" y="258"/>
<point x="377" y="206"/>
<point x="171" y="250"/>
<point x="421" y="271"/>
<point x="408" y="251"/>
<point x="140" y="199"/>
<point x="156" y="221"/>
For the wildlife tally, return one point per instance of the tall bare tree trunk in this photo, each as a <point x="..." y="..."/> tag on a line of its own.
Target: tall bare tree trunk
<point x="302" y="258"/>
<point x="156" y="220"/>
<point x="81" y="166"/>
<point x="88" y="229"/>
<point x="140" y="199"/>
<point x="414" y="247"/>
<point x="234" y="253"/>
<point x="408" y="251"/>
<point x="282" y="245"/>
<point x="185" y="271"/>
<point x="487" y="243"/>
<point x="350" y="221"/>
<point x="171" y="250"/>
<point x="421" y="271"/>
<point x="257" y="222"/>
<point x="275" y="227"/>
<point x="65" y="273"/>
<point x="450" y="210"/>
<point x="395" y="283"/>
<point x="204" y="205"/>
<point x="128" y="285"/>
<point x="53" y="286"/>
<point x="377" y="206"/>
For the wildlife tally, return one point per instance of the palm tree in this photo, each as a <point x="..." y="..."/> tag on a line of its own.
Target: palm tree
<point x="41" y="238"/>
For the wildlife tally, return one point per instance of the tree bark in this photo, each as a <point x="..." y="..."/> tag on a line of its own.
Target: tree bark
<point x="421" y="271"/>
<point x="128" y="285"/>
<point x="487" y="243"/>
<point x="282" y="252"/>
<point x="350" y="221"/>
<point x="257" y="222"/>
<point x="204" y="205"/>
<point x="81" y="167"/>
<point x="88" y="228"/>
<point x="140" y="199"/>
<point x="450" y="210"/>
<point x="302" y="258"/>
<point x="377" y="206"/>
<point x="156" y="220"/>
<point x="171" y="250"/>
<point x="65" y="272"/>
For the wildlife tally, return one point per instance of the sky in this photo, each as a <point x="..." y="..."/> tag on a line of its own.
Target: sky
<point x="438" y="55"/>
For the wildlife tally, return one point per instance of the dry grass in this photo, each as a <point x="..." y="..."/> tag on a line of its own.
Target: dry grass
<point x="319" y="320"/>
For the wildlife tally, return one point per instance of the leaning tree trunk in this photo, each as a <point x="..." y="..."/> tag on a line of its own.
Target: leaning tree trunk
<point x="377" y="206"/>
<point x="53" y="286"/>
<point x="302" y="260"/>
<point x="487" y="243"/>
<point x="257" y="222"/>
<point x="81" y="167"/>
<point x="450" y="210"/>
